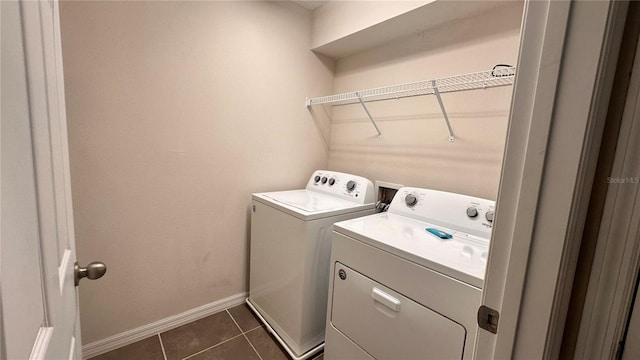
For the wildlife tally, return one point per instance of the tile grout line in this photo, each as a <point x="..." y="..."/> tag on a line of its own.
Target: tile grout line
<point x="234" y="320"/>
<point x="211" y="347"/>
<point x="250" y="330"/>
<point x="253" y="347"/>
<point x="162" y="347"/>
<point x="244" y="334"/>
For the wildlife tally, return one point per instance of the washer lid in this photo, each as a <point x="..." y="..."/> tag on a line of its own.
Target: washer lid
<point x="463" y="256"/>
<point x="309" y="205"/>
<point x="309" y="201"/>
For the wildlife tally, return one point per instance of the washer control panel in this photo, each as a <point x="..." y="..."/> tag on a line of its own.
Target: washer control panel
<point x="449" y="210"/>
<point x="347" y="186"/>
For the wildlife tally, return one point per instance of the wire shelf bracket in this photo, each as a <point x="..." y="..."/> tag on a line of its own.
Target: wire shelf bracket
<point x="436" y="92"/>
<point x="369" y="114"/>
<point x="500" y="75"/>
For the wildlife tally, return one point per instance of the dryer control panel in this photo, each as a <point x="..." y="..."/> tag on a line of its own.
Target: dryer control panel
<point x="453" y="211"/>
<point x="346" y="186"/>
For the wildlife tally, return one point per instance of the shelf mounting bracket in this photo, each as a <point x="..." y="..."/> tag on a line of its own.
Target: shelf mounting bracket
<point x="436" y="92"/>
<point x="368" y="114"/>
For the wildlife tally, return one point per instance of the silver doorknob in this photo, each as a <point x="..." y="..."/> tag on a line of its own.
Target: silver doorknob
<point x="93" y="271"/>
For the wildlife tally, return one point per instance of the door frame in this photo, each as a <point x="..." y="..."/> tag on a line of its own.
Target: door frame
<point x="567" y="58"/>
<point x="616" y="261"/>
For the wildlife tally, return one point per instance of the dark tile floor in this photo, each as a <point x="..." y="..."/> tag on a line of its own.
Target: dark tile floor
<point x="231" y="334"/>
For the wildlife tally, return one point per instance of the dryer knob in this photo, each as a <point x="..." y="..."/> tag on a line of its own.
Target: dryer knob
<point x="332" y="181"/>
<point x="316" y="179"/>
<point x="351" y="185"/>
<point x="472" y="212"/>
<point x="489" y="216"/>
<point x="324" y="179"/>
<point x="411" y="200"/>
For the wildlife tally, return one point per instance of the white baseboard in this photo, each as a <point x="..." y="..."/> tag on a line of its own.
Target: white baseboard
<point x="129" y="337"/>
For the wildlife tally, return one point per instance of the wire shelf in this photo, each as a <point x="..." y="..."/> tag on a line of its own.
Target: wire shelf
<point x="500" y="76"/>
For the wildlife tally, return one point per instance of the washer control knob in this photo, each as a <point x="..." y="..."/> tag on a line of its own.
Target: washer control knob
<point x="332" y="181"/>
<point x="351" y="185"/>
<point x="472" y="212"/>
<point x="489" y="216"/>
<point x="324" y="179"/>
<point x="411" y="200"/>
<point x="316" y="179"/>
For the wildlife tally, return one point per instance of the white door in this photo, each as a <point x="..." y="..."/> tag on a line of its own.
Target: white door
<point x="568" y="53"/>
<point x="37" y="253"/>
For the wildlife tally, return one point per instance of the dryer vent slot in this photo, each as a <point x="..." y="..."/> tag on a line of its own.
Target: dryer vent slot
<point x="386" y="191"/>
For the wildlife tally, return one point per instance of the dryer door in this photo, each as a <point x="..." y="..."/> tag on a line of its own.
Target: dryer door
<point x="388" y="325"/>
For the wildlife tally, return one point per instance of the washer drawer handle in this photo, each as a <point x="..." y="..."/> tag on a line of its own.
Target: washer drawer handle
<point x="386" y="299"/>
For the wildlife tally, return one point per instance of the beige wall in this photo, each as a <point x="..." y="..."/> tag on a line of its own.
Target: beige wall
<point x="177" y="111"/>
<point x="414" y="149"/>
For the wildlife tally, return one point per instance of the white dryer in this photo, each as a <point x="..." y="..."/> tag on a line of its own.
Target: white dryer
<point x="407" y="283"/>
<point x="290" y="249"/>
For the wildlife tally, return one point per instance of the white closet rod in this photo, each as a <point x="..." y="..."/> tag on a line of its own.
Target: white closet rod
<point x="499" y="76"/>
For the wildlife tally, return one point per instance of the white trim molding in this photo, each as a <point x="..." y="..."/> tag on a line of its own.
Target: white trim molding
<point x="40" y="346"/>
<point x="129" y="337"/>
<point x="541" y="43"/>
